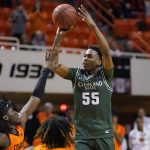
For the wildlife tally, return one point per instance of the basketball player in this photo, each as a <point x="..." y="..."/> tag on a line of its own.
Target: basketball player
<point x="55" y="134"/>
<point x="12" y="123"/>
<point x="92" y="92"/>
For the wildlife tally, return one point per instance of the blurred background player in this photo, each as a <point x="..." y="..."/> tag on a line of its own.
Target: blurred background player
<point x="42" y="116"/>
<point x="55" y="134"/>
<point x="12" y="123"/>
<point x="146" y="120"/>
<point x="119" y="132"/>
<point x="139" y="138"/>
<point x="92" y="92"/>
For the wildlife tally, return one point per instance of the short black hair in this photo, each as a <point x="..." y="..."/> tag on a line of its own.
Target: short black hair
<point x="97" y="49"/>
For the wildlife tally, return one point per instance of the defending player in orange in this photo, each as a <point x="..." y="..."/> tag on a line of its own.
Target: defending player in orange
<point x="55" y="134"/>
<point x="12" y="123"/>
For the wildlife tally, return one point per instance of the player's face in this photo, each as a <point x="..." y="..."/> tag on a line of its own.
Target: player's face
<point x="91" y="60"/>
<point x="13" y="117"/>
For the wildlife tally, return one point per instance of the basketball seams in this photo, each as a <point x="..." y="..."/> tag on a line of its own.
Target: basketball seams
<point x="69" y="19"/>
<point x="58" y="20"/>
<point x="63" y="21"/>
<point x="60" y="10"/>
<point x="67" y="9"/>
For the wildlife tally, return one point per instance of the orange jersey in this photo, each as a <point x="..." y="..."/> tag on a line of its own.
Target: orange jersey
<point x="121" y="131"/>
<point x="44" y="147"/>
<point x="16" y="141"/>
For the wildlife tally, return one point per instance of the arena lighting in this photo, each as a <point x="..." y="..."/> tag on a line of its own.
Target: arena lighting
<point x="63" y="107"/>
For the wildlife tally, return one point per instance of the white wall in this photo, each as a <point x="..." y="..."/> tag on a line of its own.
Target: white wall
<point x="140" y="76"/>
<point x="26" y="60"/>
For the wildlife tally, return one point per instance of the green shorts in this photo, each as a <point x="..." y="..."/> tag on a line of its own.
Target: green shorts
<point x="95" y="144"/>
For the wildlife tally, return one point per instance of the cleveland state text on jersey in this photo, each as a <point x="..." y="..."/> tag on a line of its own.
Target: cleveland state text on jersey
<point x="90" y="85"/>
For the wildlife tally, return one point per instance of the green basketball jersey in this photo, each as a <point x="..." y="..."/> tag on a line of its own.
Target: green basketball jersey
<point x="92" y="103"/>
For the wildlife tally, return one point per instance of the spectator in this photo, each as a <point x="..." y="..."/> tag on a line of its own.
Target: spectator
<point x="38" y="19"/>
<point x="132" y="47"/>
<point x="46" y="113"/>
<point x="146" y="120"/>
<point x="18" y="19"/>
<point x="139" y="139"/>
<point x="42" y="117"/>
<point x="38" y="39"/>
<point x="119" y="132"/>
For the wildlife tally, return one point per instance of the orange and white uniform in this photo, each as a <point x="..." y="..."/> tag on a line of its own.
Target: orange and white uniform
<point x="16" y="141"/>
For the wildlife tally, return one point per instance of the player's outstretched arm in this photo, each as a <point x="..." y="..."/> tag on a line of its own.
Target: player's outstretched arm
<point x="102" y="43"/>
<point x="59" y="69"/>
<point x="37" y="94"/>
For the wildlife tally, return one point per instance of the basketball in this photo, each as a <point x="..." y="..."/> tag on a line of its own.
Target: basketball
<point x="64" y="16"/>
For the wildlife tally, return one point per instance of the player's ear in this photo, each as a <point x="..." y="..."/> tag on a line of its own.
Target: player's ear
<point x="102" y="60"/>
<point x="5" y="117"/>
<point x="99" y="62"/>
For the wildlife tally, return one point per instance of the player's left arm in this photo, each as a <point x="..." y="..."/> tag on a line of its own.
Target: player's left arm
<point x="37" y="94"/>
<point x="102" y="42"/>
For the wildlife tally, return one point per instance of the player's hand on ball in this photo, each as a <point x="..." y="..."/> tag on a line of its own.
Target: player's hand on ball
<point x="61" y="32"/>
<point x="84" y="14"/>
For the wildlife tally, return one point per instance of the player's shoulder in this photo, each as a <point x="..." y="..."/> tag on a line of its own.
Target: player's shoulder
<point x="4" y="140"/>
<point x="77" y="71"/>
<point x="82" y="71"/>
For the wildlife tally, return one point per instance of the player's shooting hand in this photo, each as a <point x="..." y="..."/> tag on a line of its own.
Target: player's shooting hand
<point x="60" y="32"/>
<point x="51" y="59"/>
<point x="84" y="14"/>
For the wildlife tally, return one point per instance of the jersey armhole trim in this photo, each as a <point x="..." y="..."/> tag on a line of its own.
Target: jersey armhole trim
<point x="105" y="82"/>
<point x="77" y="73"/>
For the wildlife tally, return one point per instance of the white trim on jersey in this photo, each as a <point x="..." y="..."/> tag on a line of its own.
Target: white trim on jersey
<point x="77" y="73"/>
<point x="104" y="79"/>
